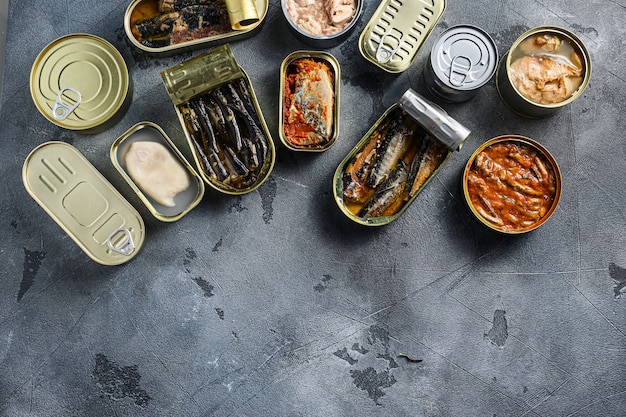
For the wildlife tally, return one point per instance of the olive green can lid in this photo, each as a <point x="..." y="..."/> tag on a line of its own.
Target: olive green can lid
<point x="86" y="206"/>
<point x="79" y="81"/>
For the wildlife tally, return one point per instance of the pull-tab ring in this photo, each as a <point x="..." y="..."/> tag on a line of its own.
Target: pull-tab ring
<point x="384" y="54"/>
<point x="460" y="68"/>
<point x="126" y="246"/>
<point x="61" y="110"/>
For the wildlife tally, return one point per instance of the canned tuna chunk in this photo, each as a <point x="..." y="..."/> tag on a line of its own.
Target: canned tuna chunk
<point x="546" y="69"/>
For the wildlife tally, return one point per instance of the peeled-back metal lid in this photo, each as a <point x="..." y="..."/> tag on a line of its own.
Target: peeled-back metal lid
<point x="95" y="215"/>
<point x="397" y="30"/>
<point x="464" y="57"/>
<point x="434" y="119"/>
<point x="79" y="81"/>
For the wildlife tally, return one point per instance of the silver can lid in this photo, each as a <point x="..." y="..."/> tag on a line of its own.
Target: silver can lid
<point x="464" y="57"/>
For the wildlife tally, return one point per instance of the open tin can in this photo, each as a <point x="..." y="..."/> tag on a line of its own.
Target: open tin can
<point x="397" y="31"/>
<point x="308" y="113"/>
<point x="169" y="27"/>
<point x="387" y="169"/>
<point x="222" y="120"/>
<point x="512" y="184"/>
<point x="157" y="172"/>
<point x="463" y="59"/>
<point x="80" y="82"/>
<point x="545" y="69"/>
<point x="86" y="206"/>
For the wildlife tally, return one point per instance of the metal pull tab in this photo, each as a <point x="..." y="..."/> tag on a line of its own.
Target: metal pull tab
<point x="383" y="53"/>
<point x="61" y="110"/>
<point x="124" y="244"/>
<point x="460" y="68"/>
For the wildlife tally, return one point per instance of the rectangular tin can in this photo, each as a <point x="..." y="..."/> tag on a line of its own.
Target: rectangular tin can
<point x="181" y="190"/>
<point x="223" y="123"/>
<point x="413" y="138"/>
<point x="80" y="200"/>
<point x="397" y="31"/>
<point x="307" y="91"/>
<point x="532" y="103"/>
<point x="244" y="19"/>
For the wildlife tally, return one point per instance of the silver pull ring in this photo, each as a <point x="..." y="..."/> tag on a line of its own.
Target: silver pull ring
<point x="124" y="244"/>
<point x="460" y="68"/>
<point x="61" y="110"/>
<point x="384" y="53"/>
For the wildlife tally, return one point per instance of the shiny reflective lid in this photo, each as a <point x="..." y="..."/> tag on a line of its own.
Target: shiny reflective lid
<point x="79" y="81"/>
<point x="397" y="31"/>
<point x="86" y="206"/>
<point x="464" y="57"/>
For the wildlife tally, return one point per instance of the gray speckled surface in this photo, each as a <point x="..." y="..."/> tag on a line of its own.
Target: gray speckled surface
<point x="274" y="304"/>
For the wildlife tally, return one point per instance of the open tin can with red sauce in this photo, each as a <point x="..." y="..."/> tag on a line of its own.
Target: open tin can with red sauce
<point x="512" y="184"/>
<point x="166" y="27"/>
<point x="393" y="162"/>
<point x="545" y="69"/>
<point x="222" y="120"/>
<point x="308" y="113"/>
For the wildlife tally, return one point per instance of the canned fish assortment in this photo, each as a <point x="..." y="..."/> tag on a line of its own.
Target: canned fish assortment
<point x="546" y="69"/>
<point x="80" y="82"/>
<point x="462" y="60"/>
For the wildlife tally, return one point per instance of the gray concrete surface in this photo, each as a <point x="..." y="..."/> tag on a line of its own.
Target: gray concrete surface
<point x="274" y="304"/>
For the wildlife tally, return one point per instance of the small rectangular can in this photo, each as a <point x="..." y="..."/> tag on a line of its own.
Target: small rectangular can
<point x="222" y="120"/>
<point x="156" y="26"/>
<point x="545" y="69"/>
<point x="387" y="169"/>
<point x="308" y="113"/>
<point x="397" y="31"/>
<point x="86" y="206"/>
<point x="157" y="172"/>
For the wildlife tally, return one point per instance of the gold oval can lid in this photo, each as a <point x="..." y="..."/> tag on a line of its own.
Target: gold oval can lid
<point x="86" y="206"/>
<point x="79" y="81"/>
<point x="397" y="31"/>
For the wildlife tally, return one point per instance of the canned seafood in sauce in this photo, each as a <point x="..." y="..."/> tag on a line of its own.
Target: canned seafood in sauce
<point x="545" y="69"/>
<point x="308" y="115"/>
<point x="397" y="31"/>
<point x="462" y="60"/>
<point x="157" y="172"/>
<point x="384" y="173"/>
<point x="80" y="82"/>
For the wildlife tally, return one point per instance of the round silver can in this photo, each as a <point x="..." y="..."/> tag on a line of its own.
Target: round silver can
<point x="463" y="59"/>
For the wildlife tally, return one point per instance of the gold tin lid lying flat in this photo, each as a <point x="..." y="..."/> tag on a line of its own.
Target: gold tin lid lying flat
<point x="333" y="66"/>
<point x="397" y="30"/>
<point x="169" y="195"/>
<point x="245" y="18"/>
<point x="86" y="206"/>
<point x="79" y="82"/>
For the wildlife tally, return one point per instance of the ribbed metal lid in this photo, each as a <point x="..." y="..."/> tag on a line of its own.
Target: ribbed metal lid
<point x="79" y="81"/>
<point x="464" y="57"/>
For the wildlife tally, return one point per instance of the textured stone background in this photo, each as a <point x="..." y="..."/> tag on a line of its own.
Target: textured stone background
<point x="274" y="304"/>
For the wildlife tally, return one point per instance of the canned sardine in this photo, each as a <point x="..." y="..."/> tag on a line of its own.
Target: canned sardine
<point x="222" y="120"/>
<point x="463" y="59"/>
<point x="308" y="116"/>
<point x="546" y="69"/>
<point x="383" y="174"/>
